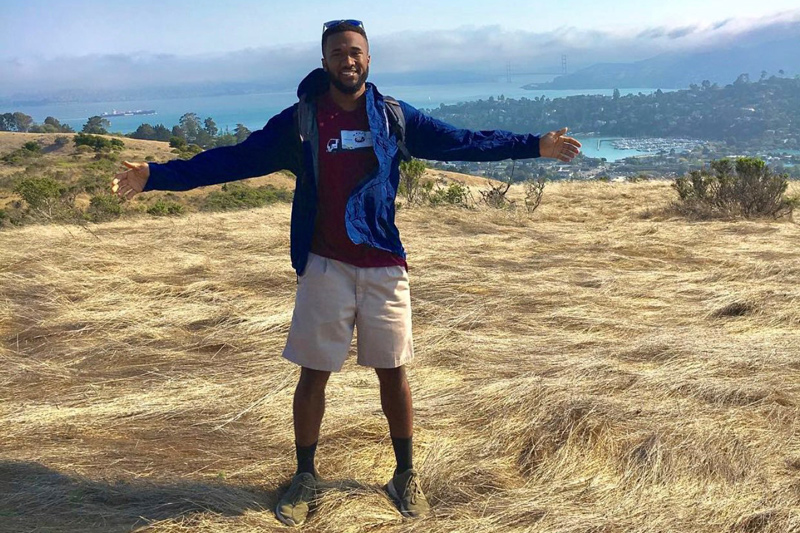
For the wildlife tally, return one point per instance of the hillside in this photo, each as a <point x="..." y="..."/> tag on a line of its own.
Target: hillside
<point x="70" y="166"/>
<point x="597" y="367"/>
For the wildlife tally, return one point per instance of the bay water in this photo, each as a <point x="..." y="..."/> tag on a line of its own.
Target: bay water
<point x="254" y="110"/>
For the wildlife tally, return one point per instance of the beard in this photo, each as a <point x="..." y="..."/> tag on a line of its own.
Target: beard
<point x="349" y="89"/>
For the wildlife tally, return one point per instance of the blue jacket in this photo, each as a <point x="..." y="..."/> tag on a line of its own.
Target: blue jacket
<point x="290" y="141"/>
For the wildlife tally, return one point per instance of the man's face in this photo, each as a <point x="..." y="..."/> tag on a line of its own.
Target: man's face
<point x="346" y="60"/>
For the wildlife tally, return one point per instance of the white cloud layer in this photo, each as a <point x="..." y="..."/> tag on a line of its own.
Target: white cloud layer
<point x="484" y="50"/>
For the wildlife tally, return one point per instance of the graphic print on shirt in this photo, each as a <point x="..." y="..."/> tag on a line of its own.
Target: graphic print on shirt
<point x="350" y="140"/>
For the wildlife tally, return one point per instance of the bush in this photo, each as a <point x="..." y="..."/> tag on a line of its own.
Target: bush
<point x="61" y="141"/>
<point x="104" y="207"/>
<point x="495" y="195"/>
<point x="177" y="142"/>
<point x="162" y="208"/>
<point x="411" y="186"/>
<point x="32" y="146"/>
<point x="455" y="194"/>
<point x="45" y="197"/>
<point x="241" y="196"/>
<point x="97" y="143"/>
<point x="21" y="155"/>
<point x="534" y="190"/>
<point x="746" y="188"/>
<point x="189" y="151"/>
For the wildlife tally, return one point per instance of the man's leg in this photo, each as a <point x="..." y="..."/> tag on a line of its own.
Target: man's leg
<point x="309" y="408"/>
<point x="398" y="408"/>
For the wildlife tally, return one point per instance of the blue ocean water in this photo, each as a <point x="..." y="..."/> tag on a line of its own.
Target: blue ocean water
<point x="254" y="110"/>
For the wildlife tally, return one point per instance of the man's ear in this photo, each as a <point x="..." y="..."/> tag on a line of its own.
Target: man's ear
<point x="324" y="65"/>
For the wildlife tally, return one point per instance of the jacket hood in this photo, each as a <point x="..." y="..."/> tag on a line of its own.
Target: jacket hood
<point x="314" y="84"/>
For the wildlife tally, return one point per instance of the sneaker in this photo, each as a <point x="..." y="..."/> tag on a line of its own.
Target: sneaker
<point x="293" y="507"/>
<point x="405" y="490"/>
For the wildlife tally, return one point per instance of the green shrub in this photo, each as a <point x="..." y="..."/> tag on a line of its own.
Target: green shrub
<point x="97" y="143"/>
<point x="746" y="188"/>
<point x="150" y="158"/>
<point x="104" y="207"/>
<point x="32" y="146"/>
<point x="61" y="141"/>
<point x="455" y="194"/>
<point x="177" y="142"/>
<point x="24" y="154"/>
<point x="163" y="208"/>
<point x="39" y="192"/>
<point x="411" y="186"/>
<point x="46" y="197"/>
<point x="189" y="151"/>
<point x="241" y="196"/>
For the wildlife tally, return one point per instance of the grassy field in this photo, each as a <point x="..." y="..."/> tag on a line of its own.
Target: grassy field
<point x="598" y="367"/>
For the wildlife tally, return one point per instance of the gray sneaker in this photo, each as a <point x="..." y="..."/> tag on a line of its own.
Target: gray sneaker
<point x="293" y="507"/>
<point x="405" y="490"/>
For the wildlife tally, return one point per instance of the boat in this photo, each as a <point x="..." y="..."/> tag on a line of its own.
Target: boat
<point x="116" y="113"/>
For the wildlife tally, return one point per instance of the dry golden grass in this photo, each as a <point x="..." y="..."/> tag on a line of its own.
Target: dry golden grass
<point x="597" y="368"/>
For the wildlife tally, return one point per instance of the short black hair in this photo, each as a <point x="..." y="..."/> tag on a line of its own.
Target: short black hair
<point x="339" y="28"/>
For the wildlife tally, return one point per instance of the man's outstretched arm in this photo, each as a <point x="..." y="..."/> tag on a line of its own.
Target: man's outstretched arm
<point x="263" y="152"/>
<point x="429" y="138"/>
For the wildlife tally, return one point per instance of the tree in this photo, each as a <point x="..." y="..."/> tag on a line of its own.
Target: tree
<point x="241" y="133"/>
<point x="144" y="131"/>
<point x="161" y="133"/>
<point x="23" y="121"/>
<point x="211" y="127"/>
<point x="7" y="122"/>
<point x="96" y="125"/>
<point x="616" y="94"/>
<point x="190" y="124"/>
<point x="226" y="139"/>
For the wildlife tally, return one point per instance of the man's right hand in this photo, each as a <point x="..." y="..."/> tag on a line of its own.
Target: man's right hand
<point x="132" y="181"/>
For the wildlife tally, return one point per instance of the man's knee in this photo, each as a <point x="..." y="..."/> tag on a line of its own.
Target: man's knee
<point x="313" y="379"/>
<point x="391" y="376"/>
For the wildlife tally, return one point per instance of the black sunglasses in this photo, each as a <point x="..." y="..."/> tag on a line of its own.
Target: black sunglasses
<point x="333" y="23"/>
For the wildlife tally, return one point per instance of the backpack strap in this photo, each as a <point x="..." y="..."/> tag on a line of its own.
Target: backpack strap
<point x="397" y="125"/>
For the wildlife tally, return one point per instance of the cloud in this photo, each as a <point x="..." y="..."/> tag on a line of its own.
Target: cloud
<point x="477" y="50"/>
<point x="681" y="32"/>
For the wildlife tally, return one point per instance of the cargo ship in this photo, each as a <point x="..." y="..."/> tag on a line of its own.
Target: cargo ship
<point x="116" y="113"/>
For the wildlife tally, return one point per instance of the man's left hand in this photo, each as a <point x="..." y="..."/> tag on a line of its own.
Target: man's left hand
<point x="555" y="145"/>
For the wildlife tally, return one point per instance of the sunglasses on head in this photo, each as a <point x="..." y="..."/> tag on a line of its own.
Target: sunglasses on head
<point x="333" y="23"/>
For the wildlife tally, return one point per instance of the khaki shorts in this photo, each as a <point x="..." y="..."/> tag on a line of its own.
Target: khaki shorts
<point x="333" y="298"/>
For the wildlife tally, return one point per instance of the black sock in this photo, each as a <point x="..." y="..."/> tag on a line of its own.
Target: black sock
<point x="402" y="453"/>
<point x="305" y="459"/>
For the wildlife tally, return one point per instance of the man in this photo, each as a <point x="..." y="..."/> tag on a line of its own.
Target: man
<point x="342" y="143"/>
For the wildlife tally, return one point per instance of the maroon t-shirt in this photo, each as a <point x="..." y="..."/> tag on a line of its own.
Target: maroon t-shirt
<point x="346" y="157"/>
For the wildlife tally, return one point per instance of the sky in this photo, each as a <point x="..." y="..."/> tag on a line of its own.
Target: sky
<point x="50" y="28"/>
<point x="77" y="43"/>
